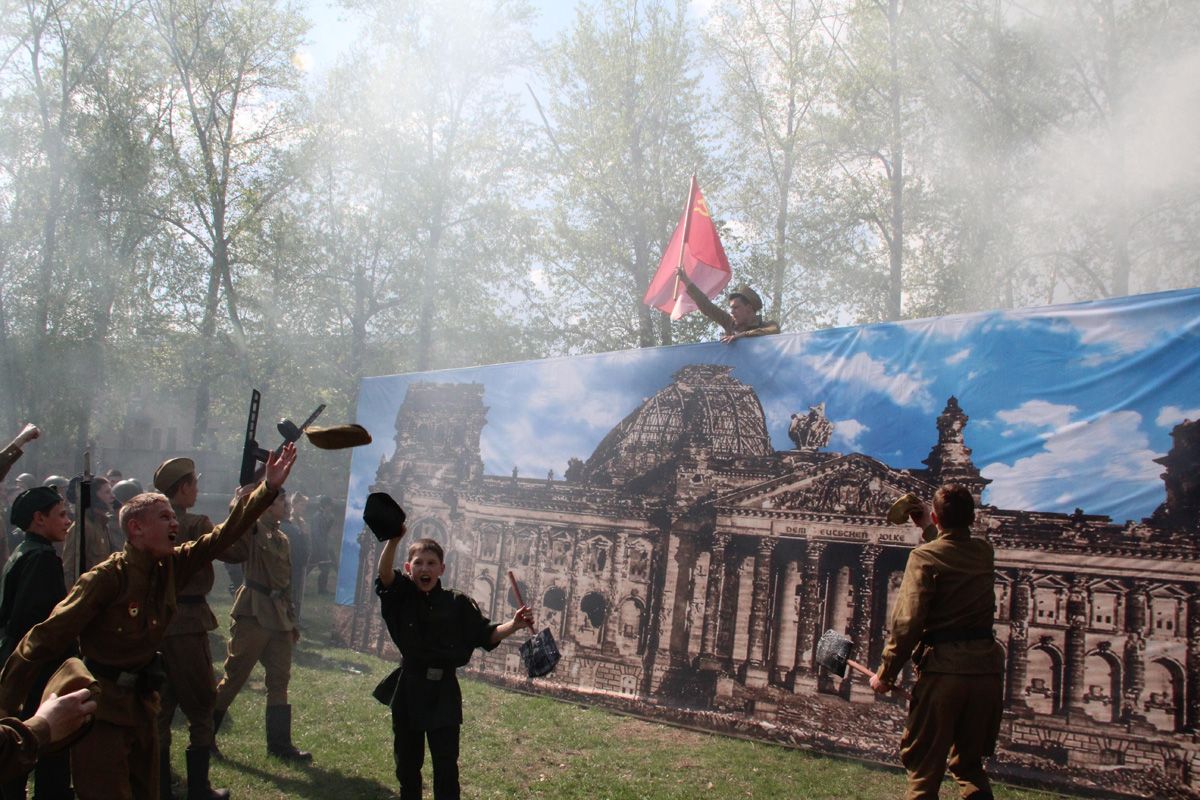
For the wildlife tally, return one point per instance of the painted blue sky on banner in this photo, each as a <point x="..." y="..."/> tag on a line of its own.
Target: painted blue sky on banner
<point x="1068" y="405"/>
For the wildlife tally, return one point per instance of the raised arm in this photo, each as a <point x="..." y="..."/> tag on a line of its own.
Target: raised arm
<point x="707" y="307"/>
<point x="387" y="560"/>
<point x="10" y="454"/>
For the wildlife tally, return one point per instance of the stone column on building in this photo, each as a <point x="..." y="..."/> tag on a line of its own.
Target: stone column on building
<point x="1076" y="647"/>
<point x="1136" y="601"/>
<point x="1192" y="679"/>
<point x="712" y="602"/>
<point x="804" y="676"/>
<point x="1018" y="640"/>
<point x="861" y="625"/>
<point x="757" y="671"/>
<point x="612" y="623"/>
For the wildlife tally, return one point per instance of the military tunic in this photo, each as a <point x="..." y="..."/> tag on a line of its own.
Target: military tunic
<point x="19" y="745"/>
<point x="100" y="544"/>
<point x="119" y="612"/>
<point x="723" y="318"/>
<point x="263" y="616"/>
<point x="187" y="655"/>
<point x="943" y="619"/>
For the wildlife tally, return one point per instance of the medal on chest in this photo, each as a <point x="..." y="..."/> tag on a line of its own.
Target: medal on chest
<point x="134" y="608"/>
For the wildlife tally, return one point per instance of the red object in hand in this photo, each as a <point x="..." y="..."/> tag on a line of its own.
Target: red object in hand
<point x="517" y="591"/>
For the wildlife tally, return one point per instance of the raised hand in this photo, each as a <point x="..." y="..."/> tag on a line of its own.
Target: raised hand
<point x="280" y="466"/>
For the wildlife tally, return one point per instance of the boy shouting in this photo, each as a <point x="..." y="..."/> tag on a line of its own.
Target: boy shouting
<point x="436" y="630"/>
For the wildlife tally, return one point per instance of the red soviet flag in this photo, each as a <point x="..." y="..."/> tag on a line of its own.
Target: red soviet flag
<point x="704" y="260"/>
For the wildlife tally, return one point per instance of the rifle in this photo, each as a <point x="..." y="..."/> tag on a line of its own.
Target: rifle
<point x="83" y="503"/>
<point x="252" y="454"/>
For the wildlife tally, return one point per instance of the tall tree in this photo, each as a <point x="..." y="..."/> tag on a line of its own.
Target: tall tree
<point x="625" y="127"/>
<point x="775" y="72"/>
<point x="230" y="139"/>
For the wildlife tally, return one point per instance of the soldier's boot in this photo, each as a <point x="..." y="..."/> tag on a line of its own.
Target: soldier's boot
<point x="198" y="787"/>
<point x="218" y="718"/>
<point x="279" y="735"/>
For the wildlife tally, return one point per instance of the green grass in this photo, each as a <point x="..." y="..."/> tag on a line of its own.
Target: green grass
<point x="513" y="745"/>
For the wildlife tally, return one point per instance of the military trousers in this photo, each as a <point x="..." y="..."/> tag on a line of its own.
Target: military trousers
<point x="191" y="686"/>
<point x="955" y="716"/>
<point x="117" y="762"/>
<point x="250" y="644"/>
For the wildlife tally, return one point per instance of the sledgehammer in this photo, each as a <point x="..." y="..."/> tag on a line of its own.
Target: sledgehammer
<point x="833" y="653"/>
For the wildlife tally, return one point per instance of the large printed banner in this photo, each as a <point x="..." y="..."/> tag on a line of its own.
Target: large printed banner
<point x="688" y="520"/>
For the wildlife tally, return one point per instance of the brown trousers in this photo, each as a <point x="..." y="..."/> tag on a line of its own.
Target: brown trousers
<point x="117" y="762"/>
<point x="956" y="716"/>
<point x="250" y="643"/>
<point x="190" y="685"/>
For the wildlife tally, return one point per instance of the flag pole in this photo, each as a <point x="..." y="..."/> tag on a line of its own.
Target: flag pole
<point x="687" y="225"/>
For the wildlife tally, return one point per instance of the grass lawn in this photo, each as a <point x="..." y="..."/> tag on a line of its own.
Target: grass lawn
<point x="513" y="746"/>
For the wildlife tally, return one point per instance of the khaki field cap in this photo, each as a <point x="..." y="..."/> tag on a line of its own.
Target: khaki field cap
<point x="71" y="676"/>
<point x="338" y="437"/>
<point x="170" y="471"/>
<point x="749" y="295"/>
<point x="905" y="504"/>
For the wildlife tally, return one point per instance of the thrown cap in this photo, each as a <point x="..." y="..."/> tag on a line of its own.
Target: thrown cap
<point x="170" y="471"/>
<point x="383" y="516"/>
<point x="31" y="501"/>
<point x="338" y="437"/>
<point x="749" y="295"/>
<point x="905" y="504"/>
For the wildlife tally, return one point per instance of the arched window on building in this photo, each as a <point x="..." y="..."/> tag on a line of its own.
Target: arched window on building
<point x="631" y="625"/>
<point x="1162" y="699"/>
<point x="593" y="611"/>
<point x="1043" y="693"/>
<point x="1102" y="685"/>
<point x="482" y="594"/>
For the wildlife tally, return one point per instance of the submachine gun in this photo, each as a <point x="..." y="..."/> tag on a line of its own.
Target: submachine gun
<point x="252" y="454"/>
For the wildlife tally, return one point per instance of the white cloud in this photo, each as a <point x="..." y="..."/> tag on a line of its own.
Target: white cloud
<point x="1037" y="414"/>
<point x="1170" y="416"/>
<point x="847" y="432"/>
<point x="864" y="373"/>
<point x="1093" y="453"/>
<point x="959" y="357"/>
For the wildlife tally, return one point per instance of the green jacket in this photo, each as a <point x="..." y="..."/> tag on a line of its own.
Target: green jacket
<point x="948" y="587"/>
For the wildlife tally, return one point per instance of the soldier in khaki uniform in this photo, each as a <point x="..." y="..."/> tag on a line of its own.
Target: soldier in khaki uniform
<point x="101" y="542"/>
<point x="264" y="628"/>
<point x="743" y="317"/>
<point x="943" y="619"/>
<point x="187" y="657"/>
<point x="118" y="612"/>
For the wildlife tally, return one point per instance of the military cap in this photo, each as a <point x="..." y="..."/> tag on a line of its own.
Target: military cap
<point x="749" y="295"/>
<point x="383" y="516"/>
<point x="30" y="501"/>
<point x="126" y="490"/>
<point x="338" y="437"/>
<point x="904" y="506"/>
<point x="170" y="471"/>
<point x="71" y="676"/>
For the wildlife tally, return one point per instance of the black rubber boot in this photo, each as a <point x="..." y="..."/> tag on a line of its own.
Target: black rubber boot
<point x="198" y="787"/>
<point x="279" y="735"/>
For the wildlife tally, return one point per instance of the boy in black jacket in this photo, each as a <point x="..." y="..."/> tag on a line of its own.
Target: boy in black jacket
<point x="436" y="631"/>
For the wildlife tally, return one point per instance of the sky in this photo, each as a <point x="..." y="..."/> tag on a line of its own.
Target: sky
<point x="1068" y="406"/>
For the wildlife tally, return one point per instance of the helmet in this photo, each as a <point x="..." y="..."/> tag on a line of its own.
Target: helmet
<point x="126" y="490"/>
<point x="57" y="481"/>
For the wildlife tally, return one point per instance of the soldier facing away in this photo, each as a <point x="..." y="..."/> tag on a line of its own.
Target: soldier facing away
<point x="943" y="620"/>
